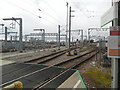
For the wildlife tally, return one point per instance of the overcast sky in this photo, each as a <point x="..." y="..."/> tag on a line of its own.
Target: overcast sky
<point x="53" y="13"/>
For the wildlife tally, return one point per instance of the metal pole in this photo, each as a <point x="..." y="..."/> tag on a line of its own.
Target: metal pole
<point x="115" y="60"/>
<point x="69" y="29"/>
<point x="82" y="37"/>
<point x="100" y="47"/>
<point x="2" y="26"/>
<point x="20" y="36"/>
<point x="25" y="38"/>
<point x="15" y="37"/>
<point x="11" y="38"/>
<point x="96" y="55"/>
<point x="67" y="26"/>
<point x="5" y="34"/>
<point x="72" y="38"/>
<point x="59" y="37"/>
<point x="44" y="38"/>
<point x="66" y="38"/>
<point x="89" y="37"/>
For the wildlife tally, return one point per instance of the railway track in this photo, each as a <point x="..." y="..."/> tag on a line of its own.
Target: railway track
<point x="57" y="59"/>
<point x="53" y="76"/>
<point x="47" y="82"/>
<point x="75" y="60"/>
<point x="49" y="57"/>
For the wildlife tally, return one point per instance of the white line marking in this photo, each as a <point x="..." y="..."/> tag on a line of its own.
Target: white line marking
<point x="53" y="79"/>
<point x="25" y="75"/>
<point x="76" y="85"/>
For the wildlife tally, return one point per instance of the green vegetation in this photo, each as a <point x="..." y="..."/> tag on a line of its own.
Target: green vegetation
<point x="100" y="79"/>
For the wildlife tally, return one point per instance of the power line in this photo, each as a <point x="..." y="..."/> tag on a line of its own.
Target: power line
<point x="83" y="12"/>
<point x="41" y="9"/>
<point x="29" y="12"/>
<point x="22" y="8"/>
<point x="49" y="15"/>
<point x="52" y="9"/>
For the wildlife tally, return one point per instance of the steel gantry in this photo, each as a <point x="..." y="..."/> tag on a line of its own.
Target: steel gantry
<point x="80" y="31"/>
<point x="46" y="34"/>
<point x="96" y="29"/>
<point x="6" y="33"/>
<point x="20" y="30"/>
<point x="43" y="33"/>
<point x="40" y="34"/>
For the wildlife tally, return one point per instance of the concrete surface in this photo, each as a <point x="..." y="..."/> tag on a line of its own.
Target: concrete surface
<point x="5" y="62"/>
<point x="31" y="75"/>
<point x="72" y="82"/>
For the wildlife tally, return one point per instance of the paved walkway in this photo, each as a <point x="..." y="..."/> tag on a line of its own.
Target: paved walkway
<point x="72" y="82"/>
<point x="5" y="62"/>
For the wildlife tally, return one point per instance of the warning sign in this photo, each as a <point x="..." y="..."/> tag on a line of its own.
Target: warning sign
<point x="114" y="53"/>
<point x="114" y="46"/>
<point x="114" y="33"/>
<point x="114" y="43"/>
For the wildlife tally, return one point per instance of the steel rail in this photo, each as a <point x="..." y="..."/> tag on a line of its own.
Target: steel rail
<point x="67" y="69"/>
<point x="49" y="56"/>
<point x="51" y="78"/>
<point x="69" y="60"/>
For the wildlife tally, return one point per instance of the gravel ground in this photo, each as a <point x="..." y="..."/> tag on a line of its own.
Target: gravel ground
<point x="70" y="64"/>
<point x="83" y="68"/>
<point x="88" y="66"/>
<point x="22" y="57"/>
<point x="65" y="57"/>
